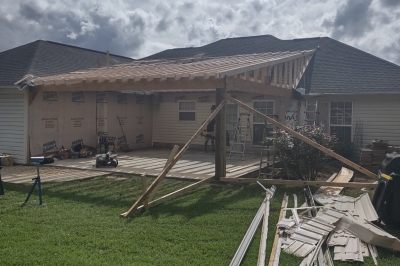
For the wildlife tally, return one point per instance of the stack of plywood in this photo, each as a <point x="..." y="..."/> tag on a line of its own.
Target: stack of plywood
<point x="366" y="158"/>
<point x="379" y="149"/>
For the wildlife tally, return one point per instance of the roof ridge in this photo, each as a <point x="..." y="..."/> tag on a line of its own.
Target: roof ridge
<point x="82" y="48"/>
<point x="369" y="54"/>
<point x="31" y="64"/>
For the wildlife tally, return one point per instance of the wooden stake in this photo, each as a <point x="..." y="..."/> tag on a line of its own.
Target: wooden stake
<point x="165" y="171"/>
<point x="274" y="246"/>
<point x="144" y="188"/>
<point x="303" y="138"/>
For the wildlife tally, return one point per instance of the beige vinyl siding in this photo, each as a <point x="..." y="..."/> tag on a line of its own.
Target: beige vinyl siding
<point x="380" y="118"/>
<point x="168" y="129"/>
<point x="14" y="123"/>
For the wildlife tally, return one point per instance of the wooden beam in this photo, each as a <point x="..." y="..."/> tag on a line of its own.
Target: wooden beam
<point x="165" y="171"/>
<point x="275" y="75"/>
<point x="235" y="84"/>
<point x="274" y="246"/>
<point x="290" y="74"/>
<point x="303" y="138"/>
<point x="183" y="84"/>
<point x="297" y="182"/>
<point x="172" y="155"/>
<point x="280" y="75"/>
<point x="174" y="194"/>
<point x="220" y="136"/>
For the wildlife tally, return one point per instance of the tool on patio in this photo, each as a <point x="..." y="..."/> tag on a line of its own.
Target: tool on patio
<point x="242" y="135"/>
<point x="107" y="159"/>
<point x="123" y="146"/>
<point x="38" y="161"/>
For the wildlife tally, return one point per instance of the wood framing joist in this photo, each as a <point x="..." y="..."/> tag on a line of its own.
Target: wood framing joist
<point x="237" y="84"/>
<point x="303" y="138"/>
<point x="183" y="84"/>
<point x="298" y="182"/>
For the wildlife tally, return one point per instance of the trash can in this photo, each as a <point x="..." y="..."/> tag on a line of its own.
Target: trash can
<point x="387" y="195"/>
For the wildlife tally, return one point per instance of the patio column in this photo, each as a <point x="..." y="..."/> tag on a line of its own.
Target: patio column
<point x="220" y="137"/>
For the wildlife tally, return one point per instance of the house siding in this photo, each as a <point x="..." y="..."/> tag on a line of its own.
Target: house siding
<point x="167" y="129"/>
<point x="379" y="115"/>
<point x="14" y="124"/>
<point x="65" y="118"/>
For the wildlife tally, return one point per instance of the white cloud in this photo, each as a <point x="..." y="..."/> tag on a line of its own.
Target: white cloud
<point x="140" y="28"/>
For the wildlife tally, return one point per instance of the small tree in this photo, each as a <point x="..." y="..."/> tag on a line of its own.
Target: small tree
<point x="300" y="159"/>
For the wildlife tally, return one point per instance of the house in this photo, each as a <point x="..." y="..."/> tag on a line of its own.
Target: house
<point x="358" y="94"/>
<point x="39" y="58"/>
<point x="163" y="99"/>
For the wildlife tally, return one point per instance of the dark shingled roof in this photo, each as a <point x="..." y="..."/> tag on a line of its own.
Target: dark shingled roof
<point x="46" y="58"/>
<point x="335" y="68"/>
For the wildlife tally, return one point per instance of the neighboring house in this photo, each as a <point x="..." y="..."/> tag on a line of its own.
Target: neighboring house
<point x="358" y="94"/>
<point x="39" y="58"/>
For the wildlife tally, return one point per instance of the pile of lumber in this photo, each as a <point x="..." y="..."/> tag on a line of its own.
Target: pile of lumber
<point x="366" y="158"/>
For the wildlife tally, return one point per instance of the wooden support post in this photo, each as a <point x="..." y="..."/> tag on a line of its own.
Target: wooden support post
<point x="165" y="171"/>
<point x="220" y="136"/>
<point x="172" y="155"/>
<point x="274" y="246"/>
<point x="275" y="83"/>
<point x="290" y="75"/>
<point x="144" y="188"/>
<point x="303" y="138"/>
<point x="280" y="75"/>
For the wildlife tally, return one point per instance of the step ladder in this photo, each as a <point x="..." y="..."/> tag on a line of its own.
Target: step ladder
<point x="311" y="113"/>
<point x="268" y="152"/>
<point x="242" y="135"/>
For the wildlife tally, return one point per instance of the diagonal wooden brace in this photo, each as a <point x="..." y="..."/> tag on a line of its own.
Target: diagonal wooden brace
<point x="165" y="171"/>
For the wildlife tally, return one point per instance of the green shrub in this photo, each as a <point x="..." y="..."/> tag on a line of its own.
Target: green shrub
<point x="300" y="159"/>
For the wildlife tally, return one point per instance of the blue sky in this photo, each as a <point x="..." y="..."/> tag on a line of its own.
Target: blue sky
<point x="140" y="28"/>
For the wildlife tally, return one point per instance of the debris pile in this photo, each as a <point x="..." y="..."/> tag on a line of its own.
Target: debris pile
<point x="343" y="222"/>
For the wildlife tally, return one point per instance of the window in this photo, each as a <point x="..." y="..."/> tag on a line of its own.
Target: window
<point x="187" y="111"/>
<point x="267" y="108"/>
<point x="341" y="120"/>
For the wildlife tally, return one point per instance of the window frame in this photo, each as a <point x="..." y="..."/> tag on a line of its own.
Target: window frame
<point x="187" y="111"/>
<point x="342" y="125"/>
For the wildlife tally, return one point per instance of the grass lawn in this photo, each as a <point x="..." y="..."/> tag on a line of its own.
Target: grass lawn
<point x="80" y="225"/>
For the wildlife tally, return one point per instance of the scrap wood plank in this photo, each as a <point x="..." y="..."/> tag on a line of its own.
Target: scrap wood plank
<point x="175" y="194"/>
<point x="170" y="158"/>
<point x="303" y="138"/>
<point x="275" y="245"/>
<point x="344" y="176"/>
<point x="165" y="171"/>
<point x="297" y="182"/>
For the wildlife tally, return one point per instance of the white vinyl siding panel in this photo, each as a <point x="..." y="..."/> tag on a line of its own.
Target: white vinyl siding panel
<point x="13" y="124"/>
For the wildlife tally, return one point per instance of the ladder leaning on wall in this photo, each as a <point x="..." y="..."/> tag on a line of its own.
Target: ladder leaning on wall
<point x="241" y="136"/>
<point x="311" y="113"/>
<point x="268" y="151"/>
